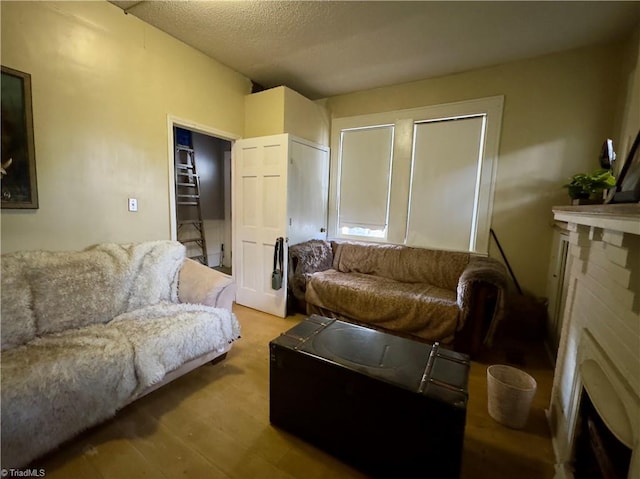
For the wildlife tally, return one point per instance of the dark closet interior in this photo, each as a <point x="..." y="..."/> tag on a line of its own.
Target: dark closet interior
<point x="205" y="186"/>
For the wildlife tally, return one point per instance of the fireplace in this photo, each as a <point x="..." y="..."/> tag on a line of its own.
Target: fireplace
<point x="604" y="414"/>
<point x="597" y="452"/>
<point x="595" y="400"/>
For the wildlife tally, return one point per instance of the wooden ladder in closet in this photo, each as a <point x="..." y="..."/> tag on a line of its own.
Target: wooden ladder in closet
<point x="188" y="211"/>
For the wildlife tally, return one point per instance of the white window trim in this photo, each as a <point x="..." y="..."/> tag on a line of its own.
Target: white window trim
<point x="404" y="121"/>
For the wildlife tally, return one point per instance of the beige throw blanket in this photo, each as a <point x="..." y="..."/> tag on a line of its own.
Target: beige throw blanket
<point x="427" y="293"/>
<point x="46" y="292"/>
<point x="420" y="309"/>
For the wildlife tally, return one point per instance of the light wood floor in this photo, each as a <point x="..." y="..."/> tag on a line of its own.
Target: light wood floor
<point x="214" y="423"/>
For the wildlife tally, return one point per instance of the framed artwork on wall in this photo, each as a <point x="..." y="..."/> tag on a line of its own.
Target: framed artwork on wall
<point x="628" y="186"/>
<point x="627" y="189"/>
<point x="18" y="165"/>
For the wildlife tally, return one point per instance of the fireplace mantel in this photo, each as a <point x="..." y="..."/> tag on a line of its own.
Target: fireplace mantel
<point x="601" y="327"/>
<point x="624" y="218"/>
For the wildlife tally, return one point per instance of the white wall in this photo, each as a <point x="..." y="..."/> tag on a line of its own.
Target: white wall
<point x="214" y="231"/>
<point x="103" y="84"/>
<point x="558" y="110"/>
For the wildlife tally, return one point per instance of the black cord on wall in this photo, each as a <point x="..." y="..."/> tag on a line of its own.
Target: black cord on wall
<point x="504" y="257"/>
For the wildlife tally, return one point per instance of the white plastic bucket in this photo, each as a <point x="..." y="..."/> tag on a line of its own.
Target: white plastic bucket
<point x="510" y="392"/>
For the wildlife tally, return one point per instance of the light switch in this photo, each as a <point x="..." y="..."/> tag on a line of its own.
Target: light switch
<point x="133" y="204"/>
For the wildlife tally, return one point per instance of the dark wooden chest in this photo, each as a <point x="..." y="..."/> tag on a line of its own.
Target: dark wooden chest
<point x="391" y="406"/>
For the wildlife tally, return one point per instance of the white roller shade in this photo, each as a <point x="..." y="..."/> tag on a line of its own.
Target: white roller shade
<point x="444" y="184"/>
<point x="365" y="168"/>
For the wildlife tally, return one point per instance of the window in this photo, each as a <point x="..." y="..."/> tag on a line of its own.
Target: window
<point x="445" y="165"/>
<point x="364" y="178"/>
<point x="421" y="177"/>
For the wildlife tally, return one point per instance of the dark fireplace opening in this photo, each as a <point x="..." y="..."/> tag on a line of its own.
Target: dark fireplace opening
<point x="598" y="454"/>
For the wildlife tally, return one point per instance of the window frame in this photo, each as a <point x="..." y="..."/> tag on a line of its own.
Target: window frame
<point x="402" y="153"/>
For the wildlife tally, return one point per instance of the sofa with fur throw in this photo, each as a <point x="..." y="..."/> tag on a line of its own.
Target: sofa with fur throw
<point x="451" y="297"/>
<point x="85" y="333"/>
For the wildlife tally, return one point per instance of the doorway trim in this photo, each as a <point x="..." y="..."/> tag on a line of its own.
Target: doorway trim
<point x="172" y="122"/>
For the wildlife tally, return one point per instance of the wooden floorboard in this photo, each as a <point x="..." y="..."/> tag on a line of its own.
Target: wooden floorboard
<point x="214" y="423"/>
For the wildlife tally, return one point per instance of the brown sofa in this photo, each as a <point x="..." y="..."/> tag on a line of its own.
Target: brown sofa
<point x="451" y="297"/>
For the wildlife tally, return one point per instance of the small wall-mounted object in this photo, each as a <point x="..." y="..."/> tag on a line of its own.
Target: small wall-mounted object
<point x="627" y="188"/>
<point x="607" y="155"/>
<point x="133" y="204"/>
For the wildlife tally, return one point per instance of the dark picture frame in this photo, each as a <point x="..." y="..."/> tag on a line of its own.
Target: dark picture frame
<point x="19" y="185"/>
<point x="628" y="185"/>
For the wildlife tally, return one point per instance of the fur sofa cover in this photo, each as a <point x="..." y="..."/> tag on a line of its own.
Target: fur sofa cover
<point x="85" y="333"/>
<point x="431" y="294"/>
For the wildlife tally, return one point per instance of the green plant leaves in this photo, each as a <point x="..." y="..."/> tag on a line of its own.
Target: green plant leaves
<point x="583" y="185"/>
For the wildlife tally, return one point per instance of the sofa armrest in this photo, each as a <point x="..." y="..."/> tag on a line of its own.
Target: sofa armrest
<point x="202" y="285"/>
<point x="473" y="333"/>
<point x="305" y="259"/>
<point x="480" y="295"/>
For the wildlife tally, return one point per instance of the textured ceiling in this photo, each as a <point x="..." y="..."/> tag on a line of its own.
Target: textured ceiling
<point x="326" y="48"/>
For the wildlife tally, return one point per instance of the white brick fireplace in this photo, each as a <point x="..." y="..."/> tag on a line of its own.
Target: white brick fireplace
<point x="600" y="341"/>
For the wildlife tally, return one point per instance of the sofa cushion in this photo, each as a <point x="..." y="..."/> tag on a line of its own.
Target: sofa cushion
<point x="56" y="386"/>
<point x="75" y="289"/>
<point x="418" y="308"/>
<point x="402" y="263"/>
<point x="155" y="266"/>
<point x="72" y="290"/>
<point x="18" y="323"/>
<point x="166" y="335"/>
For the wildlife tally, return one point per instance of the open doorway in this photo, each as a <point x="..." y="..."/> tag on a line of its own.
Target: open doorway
<point x="202" y="179"/>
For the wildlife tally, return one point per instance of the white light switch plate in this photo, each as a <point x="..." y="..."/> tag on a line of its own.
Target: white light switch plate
<point x="133" y="204"/>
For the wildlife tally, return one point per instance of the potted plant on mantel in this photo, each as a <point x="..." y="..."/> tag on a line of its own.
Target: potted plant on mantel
<point x="587" y="188"/>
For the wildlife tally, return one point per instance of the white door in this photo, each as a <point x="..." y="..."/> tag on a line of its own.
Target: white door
<point x="260" y="217"/>
<point x="308" y="191"/>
